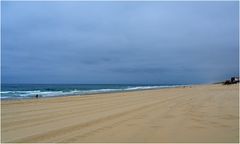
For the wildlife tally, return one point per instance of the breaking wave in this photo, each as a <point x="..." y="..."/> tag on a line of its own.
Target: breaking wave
<point x="48" y="93"/>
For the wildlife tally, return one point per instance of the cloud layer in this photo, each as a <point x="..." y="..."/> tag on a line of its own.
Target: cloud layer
<point x="119" y="42"/>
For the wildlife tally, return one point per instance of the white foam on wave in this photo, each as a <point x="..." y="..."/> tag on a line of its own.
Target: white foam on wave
<point x="150" y="87"/>
<point x="28" y="94"/>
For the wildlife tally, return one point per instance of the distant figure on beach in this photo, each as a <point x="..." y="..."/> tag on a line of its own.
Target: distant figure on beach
<point x="37" y="96"/>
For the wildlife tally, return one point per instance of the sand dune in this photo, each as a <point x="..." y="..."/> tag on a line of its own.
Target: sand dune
<point x="207" y="113"/>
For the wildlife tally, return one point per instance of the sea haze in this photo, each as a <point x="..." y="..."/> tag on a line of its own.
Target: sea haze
<point x="20" y="91"/>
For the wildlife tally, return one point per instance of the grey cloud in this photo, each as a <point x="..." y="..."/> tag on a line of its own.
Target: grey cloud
<point x="119" y="42"/>
<point x="149" y="70"/>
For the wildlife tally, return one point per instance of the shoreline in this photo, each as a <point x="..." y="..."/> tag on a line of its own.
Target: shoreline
<point x="200" y="113"/>
<point x="97" y="93"/>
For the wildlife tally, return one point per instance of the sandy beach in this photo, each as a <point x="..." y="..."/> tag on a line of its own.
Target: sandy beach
<point x="203" y="113"/>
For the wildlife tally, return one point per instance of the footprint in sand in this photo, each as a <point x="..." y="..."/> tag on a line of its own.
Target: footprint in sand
<point x="229" y="117"/>
<point x="197" y="126"/>
<point x="156" y="126"/>
<point x="169" y="116"/>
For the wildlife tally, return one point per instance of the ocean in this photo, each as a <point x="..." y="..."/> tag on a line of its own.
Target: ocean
<point x="22" y="91"/>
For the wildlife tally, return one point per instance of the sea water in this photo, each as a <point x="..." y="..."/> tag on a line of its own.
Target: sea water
<point x="20" y="91"/>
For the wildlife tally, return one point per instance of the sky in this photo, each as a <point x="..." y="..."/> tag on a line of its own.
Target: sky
<point x="119" y="42"/>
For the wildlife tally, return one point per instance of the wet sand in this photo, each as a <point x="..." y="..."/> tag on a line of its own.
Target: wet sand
<point x="205" y="113"/>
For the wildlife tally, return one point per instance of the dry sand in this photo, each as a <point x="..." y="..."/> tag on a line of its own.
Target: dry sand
<point x="207" y="113"/>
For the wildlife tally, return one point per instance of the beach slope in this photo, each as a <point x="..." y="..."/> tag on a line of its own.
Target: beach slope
<point x="204" y="113"/>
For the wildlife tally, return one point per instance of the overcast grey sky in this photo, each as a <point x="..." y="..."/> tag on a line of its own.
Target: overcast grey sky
<point x="119" y="42"/>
